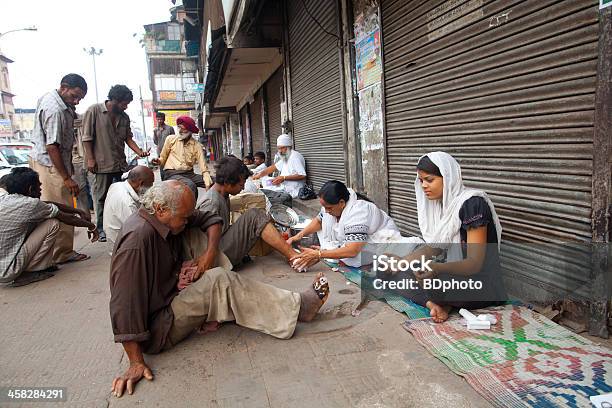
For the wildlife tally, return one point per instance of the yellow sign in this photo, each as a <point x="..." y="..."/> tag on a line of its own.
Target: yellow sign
<point x="167" y="96"/>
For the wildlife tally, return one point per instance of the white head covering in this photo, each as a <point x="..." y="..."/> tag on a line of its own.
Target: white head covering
<point x="284" y="140"/>
<point x="439" y="219"/>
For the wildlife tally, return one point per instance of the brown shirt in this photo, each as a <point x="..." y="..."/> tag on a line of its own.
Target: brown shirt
<point x="108" y="140"/>
<point x="143" y="278"/>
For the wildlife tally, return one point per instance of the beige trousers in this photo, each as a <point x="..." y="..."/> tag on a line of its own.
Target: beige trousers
<point x="222" y="295"/>
<point x="37" y="250"/>
<point x="53" y="190"/>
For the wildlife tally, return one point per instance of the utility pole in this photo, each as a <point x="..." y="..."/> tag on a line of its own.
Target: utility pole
<point x="144" y="129"/>
<point x="93" y="52"/>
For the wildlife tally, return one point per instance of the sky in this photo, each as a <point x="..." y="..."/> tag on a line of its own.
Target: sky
<point x="65" y="27"/>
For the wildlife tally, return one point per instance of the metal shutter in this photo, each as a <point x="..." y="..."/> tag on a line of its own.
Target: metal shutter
<point x="274" y="91"/>
<point x="244" y="132"/>
<point x="507" y="88"/>
<point x="257" y="129"/>
<point x="315" y="89"/>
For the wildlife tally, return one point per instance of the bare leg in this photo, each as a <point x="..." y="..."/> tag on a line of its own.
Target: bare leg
<point x="273" y="238"/>
<point x="313" y="298"/>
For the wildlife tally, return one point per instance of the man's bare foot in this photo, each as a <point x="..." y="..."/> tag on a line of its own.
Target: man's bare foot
<point x="208" y="327"/>
<point x="313" y="298"/>
<point x="437" y="312"/>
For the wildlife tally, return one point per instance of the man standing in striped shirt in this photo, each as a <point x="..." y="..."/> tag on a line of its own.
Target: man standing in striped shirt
<point x="53" y="137"/>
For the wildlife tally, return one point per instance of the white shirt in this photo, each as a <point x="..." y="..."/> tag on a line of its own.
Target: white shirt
<point x="259" y="168"/>
<point x="293" y="166"/>
<point x="121" y="202"/>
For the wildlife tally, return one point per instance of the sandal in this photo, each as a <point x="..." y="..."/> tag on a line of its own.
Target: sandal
<point x="76" y="257"/>
<point x="30" y="277"/>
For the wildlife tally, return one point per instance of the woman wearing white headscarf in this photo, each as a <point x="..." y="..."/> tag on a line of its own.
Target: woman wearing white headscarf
<point x="459" y="224"/>
<point x="345" y="225"/>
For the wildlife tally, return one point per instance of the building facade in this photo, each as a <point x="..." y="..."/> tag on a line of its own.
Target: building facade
<point x="7" y="110"/>
<point x="24" y="123"/>
<point x="172" y="67"/>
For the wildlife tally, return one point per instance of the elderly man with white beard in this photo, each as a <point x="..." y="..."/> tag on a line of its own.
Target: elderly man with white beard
<point x="123" y="200"/>
<point x="181" y="153"/>
<point x="292" y="167"/>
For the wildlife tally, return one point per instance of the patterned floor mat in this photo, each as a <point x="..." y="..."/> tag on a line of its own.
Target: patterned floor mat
<point x="525" y="360"/>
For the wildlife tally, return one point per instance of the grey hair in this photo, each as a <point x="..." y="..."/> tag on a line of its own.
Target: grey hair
<point x="162" y="195"/>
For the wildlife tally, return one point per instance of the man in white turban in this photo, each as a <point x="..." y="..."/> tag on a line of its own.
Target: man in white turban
<point x="292" y="168"/>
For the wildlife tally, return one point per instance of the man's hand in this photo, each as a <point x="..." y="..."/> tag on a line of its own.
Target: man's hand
<point x="144" y="153"/>
<point x="130" y="378"/>
<point x="91" y="165"/>
<point x="92" y="233"/>
<point x="257" y="176"/>
<point x="84" y="214"/>
<point x="72" y="186"/>
<point x="204" y="263"/>
<point x="278" y="180"/>
<point x="155" y="161"/>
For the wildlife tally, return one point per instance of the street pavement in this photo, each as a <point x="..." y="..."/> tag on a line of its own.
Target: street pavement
<point x="57" y="333"/>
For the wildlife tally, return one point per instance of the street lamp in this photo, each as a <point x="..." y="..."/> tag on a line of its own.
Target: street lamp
<point x="33" y="28"/>
<point x="93" y="52"/>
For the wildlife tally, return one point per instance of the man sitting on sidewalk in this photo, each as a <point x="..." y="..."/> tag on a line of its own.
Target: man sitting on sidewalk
<point x="152" y="316"/>
<point x="30" y="227"/>
<point x="123" y="199"/>
<point x="292" y="168"/>
<point x="238" y="239"/>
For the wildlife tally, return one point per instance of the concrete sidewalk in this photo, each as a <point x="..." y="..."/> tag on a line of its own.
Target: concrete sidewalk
<point x="57" y="333"/>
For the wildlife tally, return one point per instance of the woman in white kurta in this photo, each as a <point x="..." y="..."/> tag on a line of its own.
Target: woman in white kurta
<point x="345" y="226"/>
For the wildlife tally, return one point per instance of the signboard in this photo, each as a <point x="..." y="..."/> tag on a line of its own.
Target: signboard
<point x="604" y="3"/>
<point x="6" y="129"/>
<point x="195" y="88"/>
<point x="148" y="108"/>
<point x="168" y="96"/>
<point x="368" y="61"/>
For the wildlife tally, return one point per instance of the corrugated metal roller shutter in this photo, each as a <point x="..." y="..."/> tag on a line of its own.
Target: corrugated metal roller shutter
<point x="506" y="87"/>
<point x="315" y="89"/>
<point x="274" y="88"/>
<point x="257" y="124"/>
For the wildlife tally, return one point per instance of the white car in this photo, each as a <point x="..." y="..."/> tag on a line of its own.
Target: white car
<point x="14" y="154"/>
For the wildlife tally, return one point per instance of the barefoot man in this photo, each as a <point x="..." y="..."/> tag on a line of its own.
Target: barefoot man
<point x="149" y="314"/>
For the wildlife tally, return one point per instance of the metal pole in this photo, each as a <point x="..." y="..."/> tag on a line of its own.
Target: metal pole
<point x="144" y="129"/>
<point x="93" y="56"/>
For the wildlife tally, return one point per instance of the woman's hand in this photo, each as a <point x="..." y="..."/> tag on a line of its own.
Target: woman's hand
<point x="305" y="259"/>
<point x="295" y="238"/>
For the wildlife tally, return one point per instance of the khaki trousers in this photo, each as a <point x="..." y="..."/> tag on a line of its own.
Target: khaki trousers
<point x="222" y="295"/>
<point x="37" y="250"/>
<point x="53" y="190"/>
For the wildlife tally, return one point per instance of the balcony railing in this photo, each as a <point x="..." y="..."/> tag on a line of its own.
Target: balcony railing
<point x="174" y="96"/>
<point x="173" y="46"/>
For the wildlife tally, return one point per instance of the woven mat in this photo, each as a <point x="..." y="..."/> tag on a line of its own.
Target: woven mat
<point x="402" y="305"/>
<point x="525" y="360"/>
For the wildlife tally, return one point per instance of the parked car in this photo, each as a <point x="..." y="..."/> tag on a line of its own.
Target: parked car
<point x="13" y="154"/>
